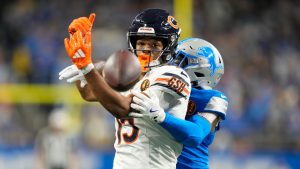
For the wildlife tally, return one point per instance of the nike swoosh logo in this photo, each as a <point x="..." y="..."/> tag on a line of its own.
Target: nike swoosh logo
<point x="223" y="96"/>
<point x="152" y="111"/>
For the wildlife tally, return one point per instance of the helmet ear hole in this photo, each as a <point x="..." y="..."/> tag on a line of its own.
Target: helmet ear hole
<point x="199" y="74"/>
<point x="220" y="60"/>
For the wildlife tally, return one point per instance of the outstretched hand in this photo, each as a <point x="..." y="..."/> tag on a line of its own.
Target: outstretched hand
<point x="72" y="74"/>
<point x="79" y="49"/>
<point x="82" y="24"/>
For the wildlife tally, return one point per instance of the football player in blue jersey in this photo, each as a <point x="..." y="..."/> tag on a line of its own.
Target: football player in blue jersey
<point x="207" y="107"/>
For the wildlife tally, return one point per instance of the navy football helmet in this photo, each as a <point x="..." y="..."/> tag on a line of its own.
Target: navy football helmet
<point x="157" y="24"/>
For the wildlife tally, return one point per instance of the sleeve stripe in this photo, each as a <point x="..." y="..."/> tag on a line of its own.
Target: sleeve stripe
<point x="217" y="104"/>
<point x="162" y="79"/>
<point x="179" y="77"/>
<point x="186" y="90"/>
<point x="166" y="80"/>
<point x="166" y="86"/>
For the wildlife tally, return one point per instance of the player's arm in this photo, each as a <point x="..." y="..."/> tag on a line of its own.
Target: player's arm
<point x="78" y="48"/>
<point x="193" y="130"/>
<point x="85" y="92"/>
<point x="112" y="100"/>
<point x="96" y="88"/>
<point x="189" y="133"/>
<point x="73" y="75"/>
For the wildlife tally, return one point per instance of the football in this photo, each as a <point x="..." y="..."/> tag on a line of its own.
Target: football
<point x="122" y="70"/>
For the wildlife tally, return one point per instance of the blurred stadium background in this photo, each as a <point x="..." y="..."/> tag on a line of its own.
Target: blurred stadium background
<point x="259" y="41"/>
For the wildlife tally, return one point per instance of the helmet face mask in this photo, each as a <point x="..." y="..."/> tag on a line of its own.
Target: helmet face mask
<point x="155" y="24"/>
<point x="201" y="60"/>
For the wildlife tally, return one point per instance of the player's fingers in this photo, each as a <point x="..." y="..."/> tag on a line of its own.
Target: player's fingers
<point x="83" y="83"/>
<point x="88" y="39"/>
<point x="86" y="24"/>
<point x="68" y="74"/>
<point x="78" y="39"/>
<point x="70" y="71"/>
<point x="92" y="18"/>
<point x="65" y="69"/>
<point x="72" y="28"/>
<point x="78" y="26"/>
<point x="152" y="95"/>
<point x="138" y="101"/>
<point x="62" y="73"/>
<point x="140" y="95"/>
<point x="137" y="107"/>
<point x="75" y="78"/>
<point x="72" y="42"/>
<point x="67" y="45"/>
<point x="135" y="115"/>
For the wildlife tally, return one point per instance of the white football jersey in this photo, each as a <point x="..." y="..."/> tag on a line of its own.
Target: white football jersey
<point x="140" y="142"/>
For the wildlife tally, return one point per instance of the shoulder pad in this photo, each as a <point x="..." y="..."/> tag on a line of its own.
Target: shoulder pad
<point x="173" y="80"/>
<point x="208" y="101"/>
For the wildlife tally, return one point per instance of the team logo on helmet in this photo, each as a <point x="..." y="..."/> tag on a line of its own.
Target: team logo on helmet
<point x="191" y="108"/>
<point x="145" y="84"/>
<point x="172" y="22"/>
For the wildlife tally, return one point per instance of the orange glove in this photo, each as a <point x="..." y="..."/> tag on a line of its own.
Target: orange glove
<point x="83" y="24"/>
<point x="79" y="49"/>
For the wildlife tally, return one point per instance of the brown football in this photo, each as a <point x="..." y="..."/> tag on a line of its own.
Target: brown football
<point x="122" y="70"/>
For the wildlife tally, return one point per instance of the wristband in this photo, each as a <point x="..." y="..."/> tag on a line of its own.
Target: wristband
<point x="87" y="68"/>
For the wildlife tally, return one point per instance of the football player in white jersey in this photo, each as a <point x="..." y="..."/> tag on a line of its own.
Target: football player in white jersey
<point x="153" y="37"/>
<point x="204" y="64"/>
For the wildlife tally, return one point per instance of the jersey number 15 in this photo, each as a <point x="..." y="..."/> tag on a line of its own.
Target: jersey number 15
<point x="128" y="138"/>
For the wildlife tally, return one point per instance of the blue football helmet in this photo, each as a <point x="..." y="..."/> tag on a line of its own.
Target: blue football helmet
<point x="201" y="60"/>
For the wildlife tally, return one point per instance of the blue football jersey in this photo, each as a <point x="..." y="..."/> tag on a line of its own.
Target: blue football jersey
<point x="201" y="101"/>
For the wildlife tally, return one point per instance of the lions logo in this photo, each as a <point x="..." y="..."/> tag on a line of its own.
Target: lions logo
<point x="145" y="84"/>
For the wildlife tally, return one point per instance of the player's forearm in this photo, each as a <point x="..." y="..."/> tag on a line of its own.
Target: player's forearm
<point x="112" y="100"/>
<point x="86" y="93"/>
<point x="187" y="132"/>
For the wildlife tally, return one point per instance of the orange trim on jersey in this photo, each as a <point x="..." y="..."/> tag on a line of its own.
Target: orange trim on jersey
<point x="186" y="90"/>
<point x="162" y="80"/>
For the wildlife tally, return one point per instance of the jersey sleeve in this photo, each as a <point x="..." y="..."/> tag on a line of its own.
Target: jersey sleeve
<point x="174" y="81"/>
<point x="217" y="103"/>
<point x="189" y="132"/>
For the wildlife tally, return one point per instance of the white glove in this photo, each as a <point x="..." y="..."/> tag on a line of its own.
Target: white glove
<point x="72" y="74"/>
<point x="147" y="106"/>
